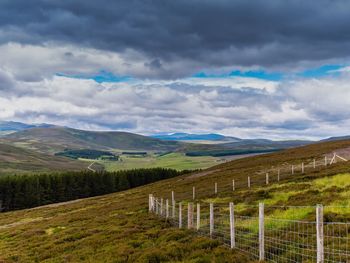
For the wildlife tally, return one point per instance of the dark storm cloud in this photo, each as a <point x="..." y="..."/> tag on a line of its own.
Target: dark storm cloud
<point x="211" y="33"/>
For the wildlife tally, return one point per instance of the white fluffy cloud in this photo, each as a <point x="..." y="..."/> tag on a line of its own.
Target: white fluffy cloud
<point x="242" y="107"/>
<point x="30" y="91"/>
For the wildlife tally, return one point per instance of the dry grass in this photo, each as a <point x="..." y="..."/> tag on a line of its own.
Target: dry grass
<point x="118" y="227"/>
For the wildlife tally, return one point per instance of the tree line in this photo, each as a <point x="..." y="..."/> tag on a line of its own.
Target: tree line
<point x="26" y="191"/>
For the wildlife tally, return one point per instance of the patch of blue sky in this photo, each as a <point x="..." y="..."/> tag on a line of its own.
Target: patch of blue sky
<point x="322" y="71"/>
<point x="102" y="76"/>
<point x="260" y="74"/>
<point x="325" y="70"/>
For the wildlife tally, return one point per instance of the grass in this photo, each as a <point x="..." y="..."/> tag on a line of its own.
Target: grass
<point x="18" y="160"/>
<point x="339" y="181"/>
<point x="118" y="227"/>
<point x="178" y="161"/>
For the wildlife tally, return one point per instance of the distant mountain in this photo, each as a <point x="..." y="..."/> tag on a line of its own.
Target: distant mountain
<point x="339" y="138"/>
<point x="19" y="126"/>
<point x="243" y="146"/>
<point x="195" y="137"/>
<point x="55" y="139"/>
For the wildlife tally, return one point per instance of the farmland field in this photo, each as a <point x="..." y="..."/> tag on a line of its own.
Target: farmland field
<point x="176" y="161"/>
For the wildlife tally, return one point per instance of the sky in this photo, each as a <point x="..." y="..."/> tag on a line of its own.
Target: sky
<point x="250" y="69"/>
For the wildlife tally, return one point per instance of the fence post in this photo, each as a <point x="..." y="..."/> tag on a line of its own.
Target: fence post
<point x="233" y="185"/>
<point x="149" y="202"/>
<point x="267" y="178"/>
<point x="157" y="207"/>
<point x="248" y="181"/>
<point x="232" y="225"/>
<point x="193" y="192"/>
<point x="302" y="168"/>
<point x="216" y="187"/>
<point x="161" y="206"/>
<point x="198" y="216"/>
<point x="292" y="169"/>
<point x="314" y="163"/>
<point x="180" y="215"/>
<point x="190" y="216"/>
<point x="278" y="175"/>
<point x="173" y="204"/>
<point x="319" y="233"/>
<point x="325" y="161"/>
<point x="154" y="204"/>
<point x="211" y="219"/>
<point x="261" y="232"/>
<point x="167" y="209"/>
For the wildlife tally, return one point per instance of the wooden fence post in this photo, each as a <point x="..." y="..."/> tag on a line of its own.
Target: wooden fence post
<point x="278" y="175"/>
<point x="292" y="169"/>
<point x="333" y="160"/>
<point x="314" y="163"/>
<point x="149" y="202"/>
<point x="173" y="204"/>
<point x="325" y="161"/>
<point x="211" y="220"/>
<point x="167" y="209"/>
<point x="161" y="206"/>
<point x="190" y="215"/>
<point x="233" y="185"/>
<point x="232" y="225"/>
<point x="302" y="168"/>
<point x="157" y="207"/>
<point x="216" y="188"/>
<point x="198" y="216"/>
<point x="319" y="233"/>
<point x="261" y="232"/>
<point x="267" y="178"/>
<point x="248" y="181"/>
<point x="180" y="214"/>
<point x="193" y="192"/>
<point x="154" y="204"/>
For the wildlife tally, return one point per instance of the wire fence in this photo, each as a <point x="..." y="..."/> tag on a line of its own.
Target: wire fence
<point x="263" y="236"/>
<point x="193" y="186"/>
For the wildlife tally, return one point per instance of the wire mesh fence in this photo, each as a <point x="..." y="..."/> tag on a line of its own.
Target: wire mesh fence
<point x="264" y="236"/>
<point x="196" y="187"/>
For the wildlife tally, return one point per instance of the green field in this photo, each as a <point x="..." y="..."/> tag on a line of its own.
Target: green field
<point x="176" y="161"/>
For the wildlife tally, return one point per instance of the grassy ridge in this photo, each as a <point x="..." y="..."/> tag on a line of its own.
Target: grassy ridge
<point x="118" y="227"/>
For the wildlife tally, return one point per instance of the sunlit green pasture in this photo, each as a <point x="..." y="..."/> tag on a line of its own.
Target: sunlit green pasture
<point x="176" y="161"/>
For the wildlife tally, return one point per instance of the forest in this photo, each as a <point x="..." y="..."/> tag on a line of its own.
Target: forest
<point x="26" y="191"/>
<point x="87" y="154"/>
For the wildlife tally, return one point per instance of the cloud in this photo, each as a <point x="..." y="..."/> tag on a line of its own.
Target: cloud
<point x="133" y="65"/>
<point x="296" y="109"/>
<point x="179" y="38"/>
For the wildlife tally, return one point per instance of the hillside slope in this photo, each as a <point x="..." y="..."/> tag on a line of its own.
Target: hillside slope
<point x="51" y="140"/>
<point x="118" y="227"/>
<point x="55" y="139"/>
<point x="17" y="160"/>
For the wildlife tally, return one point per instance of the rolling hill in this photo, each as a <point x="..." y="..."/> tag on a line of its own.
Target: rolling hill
<point x="18" y="160"/>
<point x="13" y="126"/>
<point x="198" y="138"/>
<point x="118" y="227"/>
<point x="56" y="139"/>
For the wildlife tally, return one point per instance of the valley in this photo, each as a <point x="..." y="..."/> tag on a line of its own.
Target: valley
<point x="183" y="151"/>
